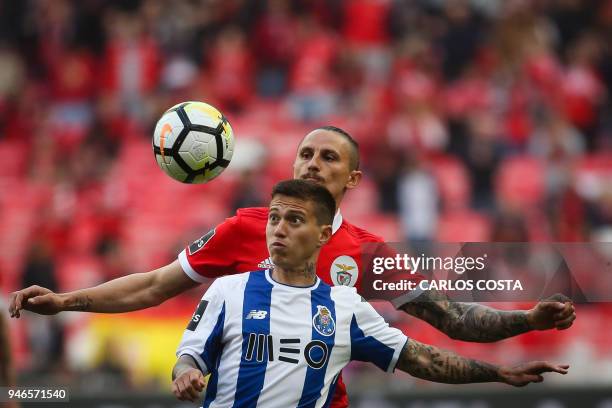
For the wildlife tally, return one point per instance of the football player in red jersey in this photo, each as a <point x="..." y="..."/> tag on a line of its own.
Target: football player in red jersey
<point x="328" y="156"/>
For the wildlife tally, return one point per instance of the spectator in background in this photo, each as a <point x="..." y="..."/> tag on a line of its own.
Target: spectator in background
<point x="312" y="83"/>
<point x="231" y="70"/>
<point x="7" y="374"/>
<point x="130" y="66"/>
<point x="418" y="204"/>
<point x="559" y="144"/>
<point x="249" y="194"/>
<point x="385" y="165"/>
<point x="482" y="155"/>
<point x="600" y="215"/>
<point x="276" y="35"/>
<point x="509" y="226"/>
<point x="45" y="335"/>
<point x="582" y="91"/>
<point x="461" y="38"/>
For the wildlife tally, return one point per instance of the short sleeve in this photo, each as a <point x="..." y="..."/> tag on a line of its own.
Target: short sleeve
<point x="211" y="255"/>
<point x="372" y="340"/>
<point x="202" y="337"/>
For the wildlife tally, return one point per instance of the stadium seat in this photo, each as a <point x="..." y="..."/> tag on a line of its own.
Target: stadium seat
<point x="463" y="226"/>
<point x="453" y="181"/>
<point x="386" y="226"/>
<point x="520" y="182"/>
<point x="76" y="271"/>
<point x="361" y="201"/>
<point x="592" y="172"/>
<point x="14" y="154"/>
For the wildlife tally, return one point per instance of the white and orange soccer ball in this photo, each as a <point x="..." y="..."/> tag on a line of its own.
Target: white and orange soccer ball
<point x="193" y="142"/>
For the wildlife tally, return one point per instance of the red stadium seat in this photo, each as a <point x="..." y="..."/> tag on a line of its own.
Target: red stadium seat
<point x="360" y="201"/>
<point x="453" y="181"/>
<point x="592" y="172"/>
<point x="520" y="182"/>
<point x="386" y="226"/>
<point x="463" y="226"/>
<point x="14" y="154"/>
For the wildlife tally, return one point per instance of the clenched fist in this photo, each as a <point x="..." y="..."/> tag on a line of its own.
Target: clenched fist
<point x="555" y="312"/>
<point x="188" y="385"/>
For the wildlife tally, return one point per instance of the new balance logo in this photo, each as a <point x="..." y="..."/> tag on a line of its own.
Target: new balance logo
<point x="257" y="314"/>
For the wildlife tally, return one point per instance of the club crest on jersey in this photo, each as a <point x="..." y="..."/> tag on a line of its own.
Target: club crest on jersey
<point x="199" y="244"/>
<point x="323" y="322"/>
<point x="344" y="271"/>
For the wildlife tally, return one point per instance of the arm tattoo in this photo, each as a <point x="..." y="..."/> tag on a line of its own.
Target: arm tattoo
<point x="433" y="364"/>
<point x="467" y="321"/>
<point x="81" y="304"/>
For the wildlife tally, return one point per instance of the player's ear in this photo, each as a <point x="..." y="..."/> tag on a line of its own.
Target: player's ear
<point x="326" y="233"/>
<point x="354" y="179"/>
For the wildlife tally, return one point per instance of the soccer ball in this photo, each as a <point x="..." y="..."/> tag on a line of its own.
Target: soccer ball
<point x="193" y="142"/>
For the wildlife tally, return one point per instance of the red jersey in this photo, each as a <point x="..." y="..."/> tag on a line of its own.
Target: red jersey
<point x="239" y="245"/>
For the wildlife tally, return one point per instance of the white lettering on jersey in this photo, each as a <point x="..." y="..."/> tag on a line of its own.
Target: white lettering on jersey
<point x="316" y="352"/>
<point x="199" y="244"/>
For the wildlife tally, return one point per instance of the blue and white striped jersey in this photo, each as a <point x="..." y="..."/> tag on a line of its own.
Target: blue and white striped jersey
<point x="267" y="344"/>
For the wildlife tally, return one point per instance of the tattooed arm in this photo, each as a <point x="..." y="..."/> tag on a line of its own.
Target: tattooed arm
<point x="125" y="294"/>
<point x="433" y="364"/>
<point x="479" y="323"/>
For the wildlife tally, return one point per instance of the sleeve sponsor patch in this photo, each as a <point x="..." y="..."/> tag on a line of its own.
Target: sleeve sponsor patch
<point x="199" y="244"/>
<point x="197" y="316"/>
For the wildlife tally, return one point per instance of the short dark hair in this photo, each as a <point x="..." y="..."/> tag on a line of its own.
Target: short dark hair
<point x="324" y="203"/>
<point x="354" y="159"/>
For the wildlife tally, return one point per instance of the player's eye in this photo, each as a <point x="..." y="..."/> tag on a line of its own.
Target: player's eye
<point x="273" y="217"/>
<point x="305" y="154"/>
<point x="330" y="157"/>
<point x="297" y="220"/>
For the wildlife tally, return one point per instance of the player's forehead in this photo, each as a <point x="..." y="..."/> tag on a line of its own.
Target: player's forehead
<point x="284" y="204"/>
<point x="323" y="139"/>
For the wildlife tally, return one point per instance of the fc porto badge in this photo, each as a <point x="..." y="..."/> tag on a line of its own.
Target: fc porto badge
<point x="323" y="321"/>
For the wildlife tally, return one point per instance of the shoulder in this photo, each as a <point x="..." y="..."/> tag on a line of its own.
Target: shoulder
<point x="359" y="234"/>
<point x="345" y="294"/>
<point x="246" y="221"/>
<point x="252" y="213"/>
<point x="231" y="282"/>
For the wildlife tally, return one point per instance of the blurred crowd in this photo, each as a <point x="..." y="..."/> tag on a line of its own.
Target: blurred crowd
<point x="478" y="120"/>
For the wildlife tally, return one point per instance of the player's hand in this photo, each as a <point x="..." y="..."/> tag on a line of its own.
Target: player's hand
<point x="555" y="312"/>
<point x="35" y="299"/>
<point x="188" y="385"/>
<point x="524" y="374"/>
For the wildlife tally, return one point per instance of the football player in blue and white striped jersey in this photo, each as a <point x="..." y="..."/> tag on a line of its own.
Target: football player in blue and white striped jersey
<point x="280" y="337"/>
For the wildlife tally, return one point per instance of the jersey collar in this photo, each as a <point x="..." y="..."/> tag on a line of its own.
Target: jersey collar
<point x="291" y="287"/>
<point x="337" y="222"/>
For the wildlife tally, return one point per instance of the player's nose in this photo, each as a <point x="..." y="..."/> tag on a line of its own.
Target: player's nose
<point x="280" y="230"/>
<point x="313" y="163"/>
